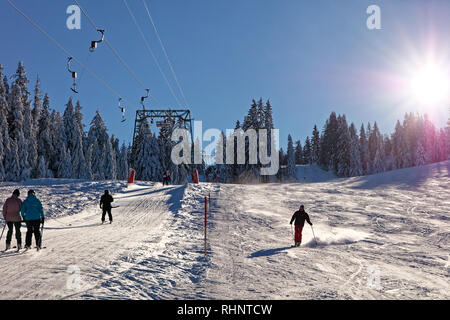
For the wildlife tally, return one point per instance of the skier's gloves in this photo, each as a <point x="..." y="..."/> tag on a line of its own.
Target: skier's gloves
<point x="42" y="220"/>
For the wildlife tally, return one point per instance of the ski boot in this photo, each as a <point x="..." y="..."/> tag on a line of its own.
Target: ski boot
<point x="8" y="246"/>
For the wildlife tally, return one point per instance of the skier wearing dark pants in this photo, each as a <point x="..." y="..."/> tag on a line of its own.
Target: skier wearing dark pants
<point x="11" y="213"/>
<point x="105" y="204"/>
<point x="33" y="215"/>
<point x="299" y="217"/>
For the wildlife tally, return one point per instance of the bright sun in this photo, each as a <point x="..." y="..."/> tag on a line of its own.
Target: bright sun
<point x="430" y="86"/>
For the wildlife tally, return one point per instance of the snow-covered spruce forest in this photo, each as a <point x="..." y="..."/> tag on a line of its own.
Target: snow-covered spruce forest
<point x="38" y="142"/>
<point x="340" y="149"/>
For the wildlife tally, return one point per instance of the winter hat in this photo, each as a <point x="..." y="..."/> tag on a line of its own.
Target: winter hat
<point x="30" y="192"/>
<point x="16" y="192"/>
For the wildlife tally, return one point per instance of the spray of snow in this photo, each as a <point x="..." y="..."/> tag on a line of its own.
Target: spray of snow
<point x="326" y="236"/>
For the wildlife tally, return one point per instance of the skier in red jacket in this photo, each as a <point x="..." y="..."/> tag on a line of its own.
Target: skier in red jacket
<point x="299" y="216"/>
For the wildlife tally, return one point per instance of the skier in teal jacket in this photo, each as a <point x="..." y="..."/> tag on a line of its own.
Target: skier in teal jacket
<point x="33" y="215"/>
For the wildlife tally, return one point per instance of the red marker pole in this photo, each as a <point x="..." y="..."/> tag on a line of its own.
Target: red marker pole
<point x="206" y="210"/>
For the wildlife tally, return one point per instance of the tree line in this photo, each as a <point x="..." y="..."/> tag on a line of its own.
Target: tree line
<point x="339" y="148"/>
<point x="39" y="142"/>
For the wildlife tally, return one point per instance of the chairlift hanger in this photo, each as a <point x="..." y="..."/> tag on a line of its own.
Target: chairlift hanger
<point x="74" y="76"/>
<point x="122" y="109"/>
<point x="145" y="97"/>
<point x="94" y="43"/>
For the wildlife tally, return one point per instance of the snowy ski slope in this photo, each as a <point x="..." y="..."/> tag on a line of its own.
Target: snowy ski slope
<point x="385" y="236"/>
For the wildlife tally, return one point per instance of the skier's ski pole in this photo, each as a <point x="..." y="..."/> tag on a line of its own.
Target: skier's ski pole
<point x="313" y="234"/>
<point x="3" y="231"/>
<point x="42" y="233"/>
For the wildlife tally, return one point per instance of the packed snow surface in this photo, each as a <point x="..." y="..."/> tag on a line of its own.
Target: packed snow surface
<point x="384" y="236"/>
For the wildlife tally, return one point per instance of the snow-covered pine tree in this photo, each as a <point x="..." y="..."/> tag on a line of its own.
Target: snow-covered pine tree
<point x="143" y="163"/>
<point x="298" y="152"/>
<point x="109" y="161"/>
<point x="12" y="165"/>
<point x="88" y="159"/>
<point x="98" y="138"/>
<point x="77" y="144"/>
<point x="388" y="158"/>
<point x="307" y="152"/>
<point x="364" y="150"/>
<point x="37" y="103"/>
<point x="43" y="132"/>
<point x="4" y="134"/>
<point x="378" y="162"/>
<point x="65" y="165"/>
<point x="291" y="168"/>
<point x="315" y="145"/>
<point x="16" y="131"/>
<point x="396" y="138"/>
<point x="268" y="117"/>
<point x="122" y="164"/>
<point x="421" y="155"/>
<point x="328" y="144"/>
<point x="343" y="148"/>
<point x="355" y="154"/>
<point x="21" y="80"/>
<point x="375" y="145"/>
<point x="443" y="145"/>
<point x="69" y="123"/>
<point x="429" y="140"/>
<point x="261" y="114"/>
<point x="42" y="170"/>
<point x="35" y="117"/>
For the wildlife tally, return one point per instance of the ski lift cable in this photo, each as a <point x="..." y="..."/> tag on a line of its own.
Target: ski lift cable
<point x="131" y="72"/>
<point x="165" y="52"/>
<point x="93" y="74"/>
<point x="151" y="53"/>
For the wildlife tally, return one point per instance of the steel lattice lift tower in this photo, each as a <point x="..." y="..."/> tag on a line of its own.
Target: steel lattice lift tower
<point x="170" y="118"/>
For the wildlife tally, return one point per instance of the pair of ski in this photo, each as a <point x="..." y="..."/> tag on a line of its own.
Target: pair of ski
<point x="20" y="250"/>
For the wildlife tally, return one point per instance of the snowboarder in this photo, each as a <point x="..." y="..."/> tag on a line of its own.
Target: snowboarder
<point x="299" y="216"/>
<point x="105" y="204"/>
<point x="11" y="213"/>
<point x="33" y="215"/>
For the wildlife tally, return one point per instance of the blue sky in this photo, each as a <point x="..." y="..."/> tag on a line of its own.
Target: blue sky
<point x="308" y="57"/>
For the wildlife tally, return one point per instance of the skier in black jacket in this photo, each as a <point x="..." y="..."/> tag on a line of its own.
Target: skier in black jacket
<point x="105" y="204"/>
<point x="299" y="217"/>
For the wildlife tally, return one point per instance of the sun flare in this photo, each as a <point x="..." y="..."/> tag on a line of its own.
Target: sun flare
<point x="430" y="85"/>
